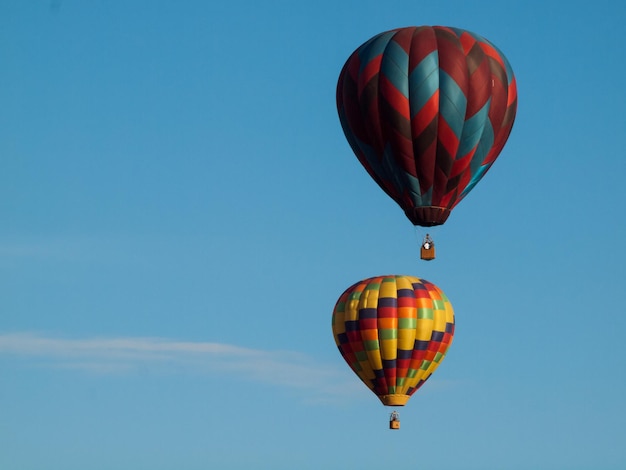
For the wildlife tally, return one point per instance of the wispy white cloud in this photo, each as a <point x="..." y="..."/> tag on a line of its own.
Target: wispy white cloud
<point x="128" y="354"/>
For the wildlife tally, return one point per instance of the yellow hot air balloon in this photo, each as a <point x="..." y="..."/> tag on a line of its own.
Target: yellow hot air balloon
<point x="393" y="331"/>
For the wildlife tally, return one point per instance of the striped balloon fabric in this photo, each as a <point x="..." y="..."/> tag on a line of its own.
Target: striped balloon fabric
<point x="393" y="331"/>
<point x="427" y="110"/>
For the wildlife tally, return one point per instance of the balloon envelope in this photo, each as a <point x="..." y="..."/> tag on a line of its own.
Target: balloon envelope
<point x="427" y="110"/>
<point x="393" y="331"/>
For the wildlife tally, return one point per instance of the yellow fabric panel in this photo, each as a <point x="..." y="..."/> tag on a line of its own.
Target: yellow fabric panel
<point x="352" y="311"/>
<point x="339" y="324"/>
<point x="389" y="349"/>
<point x="406" y="336"/>
<point x="424" y="325"/>
<point x="431" y="368"/>
<point x="375" y="361"/>
<point x="408" y="383"/>
<point x="388" y="288"/>
<point x="439" y="320"/>
<point x="406" y="282"/>
<point x="449" y="313"/>
<point x="366" y="374"/>
<point x="423" y="376"/>
<point x="424" y="329"/>
<point x="369" y="299"/>
<point x="406" y="339"/>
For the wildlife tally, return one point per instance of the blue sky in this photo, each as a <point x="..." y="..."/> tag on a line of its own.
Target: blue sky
<point x="180" y="211"/>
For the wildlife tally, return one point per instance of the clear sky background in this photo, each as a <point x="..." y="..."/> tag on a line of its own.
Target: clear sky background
<point x="179" y="212"/>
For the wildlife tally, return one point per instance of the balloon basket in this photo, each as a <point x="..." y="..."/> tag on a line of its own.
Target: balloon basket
<point x="427" y="253"/>
<point x="394" y="420"/>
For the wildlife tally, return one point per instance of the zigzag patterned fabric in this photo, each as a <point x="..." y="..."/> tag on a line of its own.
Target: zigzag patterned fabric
<point x="393" y="331"/>
<point x="427" y="110"/>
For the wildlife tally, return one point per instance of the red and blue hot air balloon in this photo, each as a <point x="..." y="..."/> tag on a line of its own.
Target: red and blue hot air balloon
<point x="427" y="110"/>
